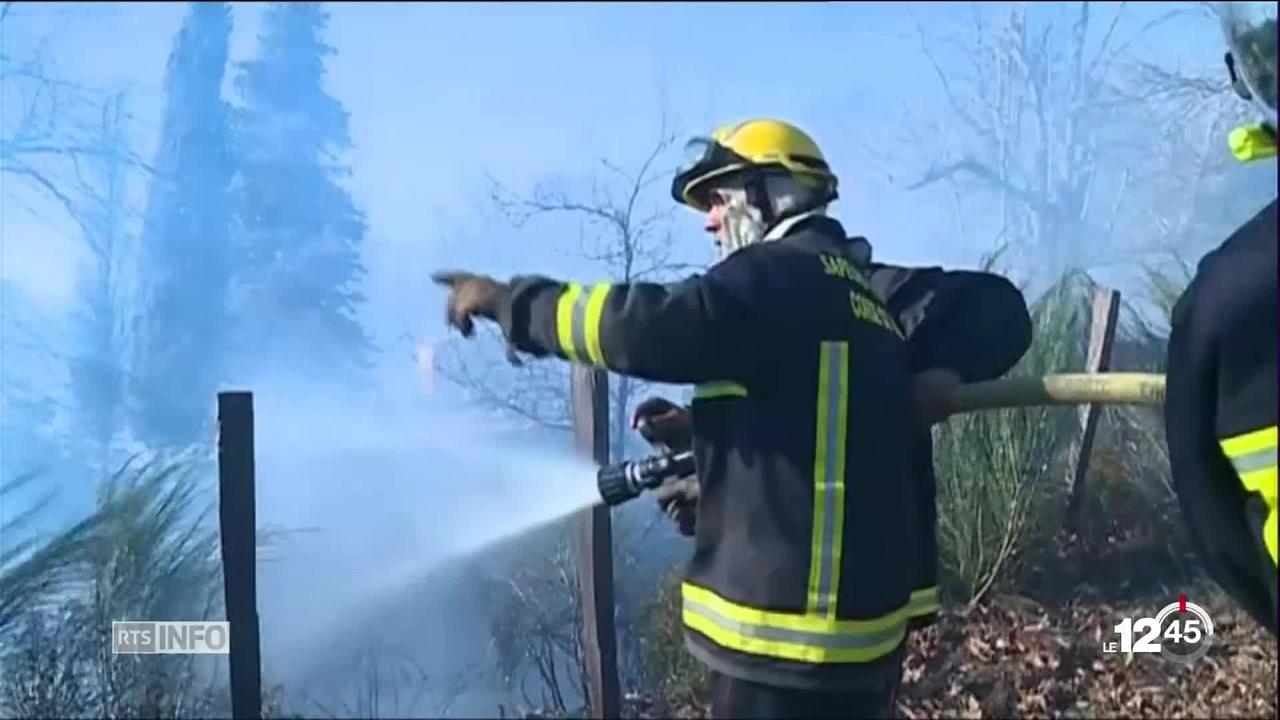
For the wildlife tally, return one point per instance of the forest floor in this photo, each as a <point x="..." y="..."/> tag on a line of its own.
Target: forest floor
<point x="1013" y="657"/>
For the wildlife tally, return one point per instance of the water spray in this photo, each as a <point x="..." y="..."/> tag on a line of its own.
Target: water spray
<point x="623" y="481"/>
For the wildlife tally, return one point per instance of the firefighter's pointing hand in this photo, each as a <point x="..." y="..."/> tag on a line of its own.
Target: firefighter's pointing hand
<point x="471" y="296"/>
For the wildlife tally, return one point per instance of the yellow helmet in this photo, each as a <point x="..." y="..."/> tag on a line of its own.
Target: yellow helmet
<point x="765" y="146"/>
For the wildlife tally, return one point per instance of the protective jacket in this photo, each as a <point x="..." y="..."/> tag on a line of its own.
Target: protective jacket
<point x="1220" y="413"/>
<point x="806" y="537"/>
<point x="975" y="324"/>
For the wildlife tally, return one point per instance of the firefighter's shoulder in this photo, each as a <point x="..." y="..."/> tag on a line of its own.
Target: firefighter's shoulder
<point x="1236" y="281"/>
<point x="752" y="270"/>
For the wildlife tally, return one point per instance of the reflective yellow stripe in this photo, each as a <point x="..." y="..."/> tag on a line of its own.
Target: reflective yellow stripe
<point x="828" y="478"/>
<point x="816" y="635"/>
<point x="564" y="320"/>
<point x="923" y="601"/>
<point x="1251" y="142"/>
<point x="1253" y="455"/>
<point x="1250" y="442"/>
<point x="707" y="391"/>
<point x="805" y="638"/>
<point x="1264" y="483"/>
<point x="594" y="312"/>
<point x="578" y="317"/>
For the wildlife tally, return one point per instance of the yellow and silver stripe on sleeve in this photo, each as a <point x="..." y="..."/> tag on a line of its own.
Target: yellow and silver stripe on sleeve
<point x="578" y="315"/>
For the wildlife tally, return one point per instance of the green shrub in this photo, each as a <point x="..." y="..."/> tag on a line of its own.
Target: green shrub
<point x="999" y="472"/>
<point x="149" y="550"/>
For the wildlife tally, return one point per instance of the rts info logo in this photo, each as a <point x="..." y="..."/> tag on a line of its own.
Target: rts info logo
<point x="1181" y="632"/>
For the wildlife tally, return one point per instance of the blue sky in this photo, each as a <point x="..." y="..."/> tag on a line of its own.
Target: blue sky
<point x="441" y="93"/>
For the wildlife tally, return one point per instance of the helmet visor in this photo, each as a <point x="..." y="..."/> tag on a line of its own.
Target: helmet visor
<point x="704" y="158"/>
<point x="1250" y="28"/>
<point x="698" y="150"/>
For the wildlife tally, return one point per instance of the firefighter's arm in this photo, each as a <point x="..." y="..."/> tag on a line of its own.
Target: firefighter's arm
<point x="976" y="325"/>
<point x="687" y="332"/>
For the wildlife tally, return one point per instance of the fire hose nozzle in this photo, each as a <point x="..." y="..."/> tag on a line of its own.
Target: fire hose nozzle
<point x="623" y="481"/>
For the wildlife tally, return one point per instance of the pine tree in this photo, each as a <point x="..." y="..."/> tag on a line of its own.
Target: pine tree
<point x="186" y="261"/>
<point x="300" y="231"/>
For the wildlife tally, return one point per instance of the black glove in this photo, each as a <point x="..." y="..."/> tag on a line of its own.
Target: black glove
<point x="678" y="500"/>
<point x="471" y="296"/>
<point x="935" y="391"/>
<point x="662" y="422"/>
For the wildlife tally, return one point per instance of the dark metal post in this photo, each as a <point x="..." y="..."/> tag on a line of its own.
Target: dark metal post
<point x="589" y="390"/>
<point x="238" y="523"/>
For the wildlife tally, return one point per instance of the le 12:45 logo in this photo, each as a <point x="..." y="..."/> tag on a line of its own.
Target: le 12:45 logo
<point x="1182" y="632"/>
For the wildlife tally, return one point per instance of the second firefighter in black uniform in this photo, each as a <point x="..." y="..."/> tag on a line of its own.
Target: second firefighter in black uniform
<point x="1220" y="404"/>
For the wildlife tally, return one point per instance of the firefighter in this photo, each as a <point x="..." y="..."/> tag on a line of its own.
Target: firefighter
<point x="796" y="596"/>
<point x="962" y="326"/>
<point x="1220" y="405"/>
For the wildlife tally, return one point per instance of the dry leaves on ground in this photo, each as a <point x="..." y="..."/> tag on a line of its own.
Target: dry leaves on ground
<point x="1014" y="658"/>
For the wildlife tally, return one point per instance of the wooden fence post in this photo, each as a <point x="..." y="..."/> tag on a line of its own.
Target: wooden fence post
<point x="589" y="393"/>
<point x="237" y="519"/>
<point x="1102" y="334"/>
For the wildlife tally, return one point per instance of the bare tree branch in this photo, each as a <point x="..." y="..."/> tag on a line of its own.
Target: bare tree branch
<point x="953" y="98"/>
<point x="52" y="133"/>
<point x="20" y="169"/>
<point x="1039" y="107"/>
<point x="615" y="231"/>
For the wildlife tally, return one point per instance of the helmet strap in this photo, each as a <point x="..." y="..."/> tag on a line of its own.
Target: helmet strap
<point x="758" y="196"/>
<point x="1237" y="83"/>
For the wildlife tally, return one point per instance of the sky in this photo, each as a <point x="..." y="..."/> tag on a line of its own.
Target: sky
<point x="441" y="95"/>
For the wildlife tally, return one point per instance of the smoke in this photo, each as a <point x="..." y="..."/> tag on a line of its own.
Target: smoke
<point x="377" y="498"/>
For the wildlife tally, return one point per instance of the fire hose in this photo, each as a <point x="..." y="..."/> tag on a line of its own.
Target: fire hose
<point x="623" y="481"/>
